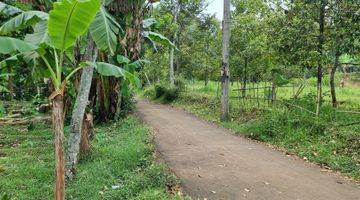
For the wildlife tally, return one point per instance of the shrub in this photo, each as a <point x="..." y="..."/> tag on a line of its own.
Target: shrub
<point x="149" y="92"/>
<point x="168" y="94"/>
<point x="171" y="94"/>
<point x="160" y="90"/>
<point x="180" y="83"/>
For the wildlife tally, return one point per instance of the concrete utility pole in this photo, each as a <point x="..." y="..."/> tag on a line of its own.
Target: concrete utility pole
<point x="225" y="71"/>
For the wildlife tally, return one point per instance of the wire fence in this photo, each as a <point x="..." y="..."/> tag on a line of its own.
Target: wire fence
<point x="267" y="94"/>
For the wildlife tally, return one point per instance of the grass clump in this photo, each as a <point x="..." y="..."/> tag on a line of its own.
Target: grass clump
<point x="120" y="166"/>
<point x="165" y="93"/>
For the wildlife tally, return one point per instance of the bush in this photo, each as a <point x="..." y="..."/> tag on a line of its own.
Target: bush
<point x="180" y="83"/>
<point x="160" y="91"/>
<point x="168" y="94"/>
<point x="171" y="94"/>
<point x="149" y="92"/>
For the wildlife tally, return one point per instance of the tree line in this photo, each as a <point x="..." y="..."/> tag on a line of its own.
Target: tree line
<point x="272" y="38"/>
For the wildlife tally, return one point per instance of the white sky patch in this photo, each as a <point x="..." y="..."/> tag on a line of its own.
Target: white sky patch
<point x="215" y="7"/>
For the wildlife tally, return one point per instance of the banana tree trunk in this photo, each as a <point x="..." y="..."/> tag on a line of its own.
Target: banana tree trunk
<point x="77" y="120"/>
<point x="87" y="130"/>
<point x="119" y="101"/>
<point x="10" y="83"/>
<point x="58" y="126"/>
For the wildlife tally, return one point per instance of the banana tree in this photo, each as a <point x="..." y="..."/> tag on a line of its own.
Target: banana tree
<point x="3" y="77"/>
<point x="68" y="20"/>
<point x="8" y="10"/>
<point x="136" y="31"/>
<point x="103" y="32"/>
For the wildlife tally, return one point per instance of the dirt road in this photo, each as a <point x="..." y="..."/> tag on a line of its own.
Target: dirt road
<point x="214" y="164"/>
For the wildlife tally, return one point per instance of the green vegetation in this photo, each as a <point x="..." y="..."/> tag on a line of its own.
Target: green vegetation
<point x="330" y="140"/>
<point x="82" y="60"/>
<point x="120" y="165"/>
<point x="165" y="93"/>
<point x="56" y="50"/>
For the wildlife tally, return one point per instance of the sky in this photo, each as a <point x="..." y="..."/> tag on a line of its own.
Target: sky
<point x="215" y="7"/>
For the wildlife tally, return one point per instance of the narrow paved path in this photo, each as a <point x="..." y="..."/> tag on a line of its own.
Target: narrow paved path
<point x="214" y="164"/>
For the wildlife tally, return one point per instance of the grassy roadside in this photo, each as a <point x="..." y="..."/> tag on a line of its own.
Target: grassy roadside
<point x="321" y="140"/>
<point x="121" y="165"/>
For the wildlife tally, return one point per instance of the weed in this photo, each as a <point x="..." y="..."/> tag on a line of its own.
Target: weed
<point x="120" y="165"/>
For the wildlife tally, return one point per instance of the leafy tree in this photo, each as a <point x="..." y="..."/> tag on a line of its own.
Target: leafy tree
<point x="206" y="40"/>
<point x="249" y="51"/>
<point x="342" y="37"/>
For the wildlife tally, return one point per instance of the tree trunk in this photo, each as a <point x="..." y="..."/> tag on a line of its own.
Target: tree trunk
<point x="171" y="67"/>
<point x="273" y="89"/>
<point x="87" y="131"/>
<point x="175" y="13"/>
<point x="10" y="85"/>
<point x="58" y="126"/>
<point x="79" y="111"/>
<point x="225" y="71"/>
<point x="332" y="80"/>
<point x="206" y="77"/>
<point x="119" y="101"/>
<point x="320" y="50"/>
<point x="102" y="99"/>
<point x="147" y="80"/>
<point x="244" y="78"/>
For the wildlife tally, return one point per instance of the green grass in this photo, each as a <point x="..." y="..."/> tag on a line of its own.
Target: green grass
<point x="349" y="95"/>
<point x="121" y="157"/>
<point x="322" y="140"/>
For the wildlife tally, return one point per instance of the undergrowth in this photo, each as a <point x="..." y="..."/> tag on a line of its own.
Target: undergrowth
<point x="120" y="166"/>
<point x="165" y="93"/>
